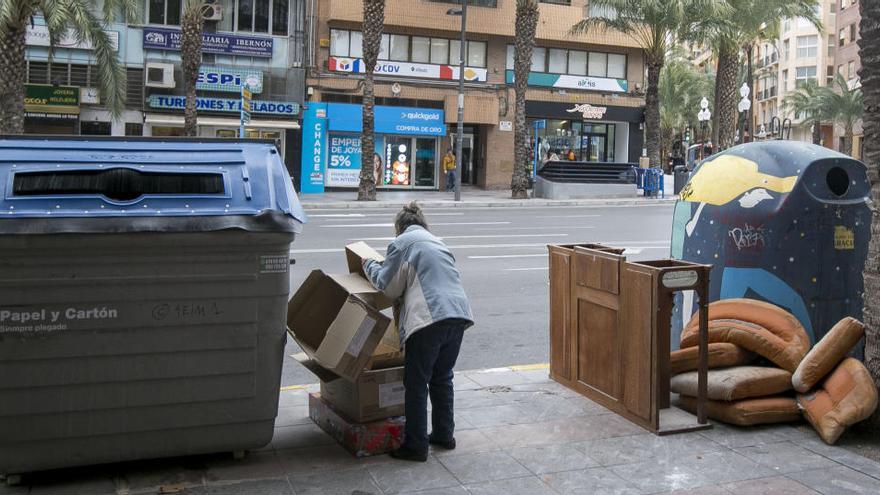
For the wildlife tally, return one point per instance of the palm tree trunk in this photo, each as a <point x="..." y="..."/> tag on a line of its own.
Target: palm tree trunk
<point x="817" y="132"/>
<point x="869" y="44"/>
<point x="191" y="59"/>
<point x="374" y="21"/>
<point x="726" y="98"/>
<point x="12" y="79"/>
<point x="526" y="25"/>
<point x="750" y="49"/>
<point x="848" y="141"/>
<point x="652" y="112"/>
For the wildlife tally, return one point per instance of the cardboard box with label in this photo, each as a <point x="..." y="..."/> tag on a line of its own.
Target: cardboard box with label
<point x="348" y="341"/>
<point x="360" y="438"/>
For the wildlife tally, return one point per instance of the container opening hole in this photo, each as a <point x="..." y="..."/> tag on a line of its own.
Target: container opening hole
<point x="119" y="184"/>
<point x="838" y="181"/>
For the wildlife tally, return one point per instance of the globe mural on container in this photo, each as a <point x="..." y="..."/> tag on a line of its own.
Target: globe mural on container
<point x="782" y="222"/>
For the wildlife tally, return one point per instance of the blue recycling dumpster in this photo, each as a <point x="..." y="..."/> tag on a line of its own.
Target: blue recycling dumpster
<point x="783" y="222"/>
<point x="143" y="294"/>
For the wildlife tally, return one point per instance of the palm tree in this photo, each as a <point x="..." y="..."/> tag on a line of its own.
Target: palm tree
<point x="524" y="42"/>
<point x="63" y="17"/>
<point x="732" y="31"/>
<point x="844" y="105"/>
<point x="807" y="100"/>
<point x="374" y="22"/>
<point x="681" y="87"/>
<point x="869" y="45"/>
<point x="192" y="23"/>
<point x="655" y="25"/>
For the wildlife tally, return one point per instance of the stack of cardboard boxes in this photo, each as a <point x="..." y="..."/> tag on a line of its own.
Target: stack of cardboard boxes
<point x="352" y="345"/>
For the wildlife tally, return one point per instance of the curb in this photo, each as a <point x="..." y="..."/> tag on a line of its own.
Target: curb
<point x="350" y="205"/>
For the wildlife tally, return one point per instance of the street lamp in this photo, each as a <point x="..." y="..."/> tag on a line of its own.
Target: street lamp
<point x="703" y="116"/>
<point x="744" y="105"/>
<point x="460" y="130"/>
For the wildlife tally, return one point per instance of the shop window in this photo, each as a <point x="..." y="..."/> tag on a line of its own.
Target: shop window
<point x="399" y="48"/>
<point x="164" y="12"/>
<point x="163" y="131"/>
<point x="134" y="129"/>
<point x="87" y="128"/>
<point x="558" y="61"/>
<point x="617" y="66"/>
<point x="598" y="64"/>
<point x="807" y="46"/>
<point x="421" y="50"/>
<point x="439" y="51"/>
<point x="577" y="63"/>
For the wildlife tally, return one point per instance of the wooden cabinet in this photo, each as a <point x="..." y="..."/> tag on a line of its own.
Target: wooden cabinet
<point x="609" y="329"/>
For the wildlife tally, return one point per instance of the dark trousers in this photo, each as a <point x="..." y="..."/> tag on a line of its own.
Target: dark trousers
<point x="450" y="180"/>
<point x="430" y="356"/>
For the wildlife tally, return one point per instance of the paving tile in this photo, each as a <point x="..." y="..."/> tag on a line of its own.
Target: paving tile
<point x="262" y="487"/>
<point x="335" y="483"/>
<point x="256" y="465"/>
<point x="292" y="437"/>
<point x="553" y="407"/>
<point x="535" y="376"/>
<point x="468" y="442"/>
<point x="588" y="482"/>
<point x="484" y="466"/>
<point x="562" y="431"/>
<point x="452" y="490"/>
<point x="778" y="485"/>
<point x="552" y="458"/>
<point x="397" y="476"/>
<point x="515" y="486"/>
<point x="498" y="378"/>
<point x="289" y="416"/>
<point x="637" y="448"/>
<point x="659" y="475"/>
<point x="461" y="382"/>
<point x="504" y="414"/>
<point x="293" y="398"/>
<point x="735" y="437"/>
<point x="786" y="457"/>
<point x="467" y="399"/>
<point x="843" y="456"/>
<point x="311" y="460"/>
<point x="703" y="490"/>
<point x="152" y="474"/>
<point x="726" y="467"/>
<point x="837" y="481"/>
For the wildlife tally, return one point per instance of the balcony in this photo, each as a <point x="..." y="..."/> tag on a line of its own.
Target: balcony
<point x="768" y="61"/>
<point x="766" y="94"/>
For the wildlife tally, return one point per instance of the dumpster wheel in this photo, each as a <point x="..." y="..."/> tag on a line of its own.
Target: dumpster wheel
<point x="239" y="455"/>
<point x="11" y="479"/>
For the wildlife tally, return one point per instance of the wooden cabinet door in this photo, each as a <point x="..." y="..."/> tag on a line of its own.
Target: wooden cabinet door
<point x="638" y="315"/>
<point x="560" y="302"/>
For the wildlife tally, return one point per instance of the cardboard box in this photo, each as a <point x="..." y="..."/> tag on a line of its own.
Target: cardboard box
<point x="376" y="394"/>
<point x="338" y="323"/>
<point x="356" y="253"/>
<point x="361" y="439"/>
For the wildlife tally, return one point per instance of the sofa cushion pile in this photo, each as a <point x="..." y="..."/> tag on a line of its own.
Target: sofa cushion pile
<point x="760" y="356"/>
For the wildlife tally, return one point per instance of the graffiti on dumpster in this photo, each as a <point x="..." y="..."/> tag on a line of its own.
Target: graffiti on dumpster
<point x="747" y="236"/>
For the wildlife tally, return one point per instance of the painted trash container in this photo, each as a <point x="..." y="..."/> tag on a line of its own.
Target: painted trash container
<point x="783" y="222"/>
<point x="143" y="296"/>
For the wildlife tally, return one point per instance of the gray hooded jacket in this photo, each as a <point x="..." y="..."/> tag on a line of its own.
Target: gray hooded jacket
<point x="419" y="274"/>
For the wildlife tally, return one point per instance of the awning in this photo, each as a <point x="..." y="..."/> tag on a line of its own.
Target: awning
<point x="165" y="119"/>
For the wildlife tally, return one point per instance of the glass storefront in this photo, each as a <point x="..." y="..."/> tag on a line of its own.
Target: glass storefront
<point x="589" y="141"/>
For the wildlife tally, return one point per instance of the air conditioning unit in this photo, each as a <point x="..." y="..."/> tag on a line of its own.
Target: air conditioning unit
<point x="160" y="75"/>
<point x="213" y="12"/>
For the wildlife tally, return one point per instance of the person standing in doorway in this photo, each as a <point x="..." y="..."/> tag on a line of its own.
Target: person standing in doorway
<point x="432" y="313"/>
<point x="449" y="168"/>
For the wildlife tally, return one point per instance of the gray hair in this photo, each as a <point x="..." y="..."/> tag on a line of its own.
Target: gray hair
<point x="410" y="215"/>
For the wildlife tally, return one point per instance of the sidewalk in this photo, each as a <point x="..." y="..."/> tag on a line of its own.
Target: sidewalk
<point x="518" y="433"/>
<point x="470" y="197"/>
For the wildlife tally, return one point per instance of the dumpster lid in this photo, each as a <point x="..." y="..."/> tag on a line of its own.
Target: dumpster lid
<point x="50" y="177"/>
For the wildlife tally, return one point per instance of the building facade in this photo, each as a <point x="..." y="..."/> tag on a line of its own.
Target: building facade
<point x="848" y="64"/>
<point x="586" y="93"/>
<point x="801" y="53"/>
<point x="258" y="42"/>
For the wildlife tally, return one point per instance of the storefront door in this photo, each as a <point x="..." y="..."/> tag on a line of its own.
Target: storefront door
<point x="467" y="157"/>
<point x="410" y="162"/>
<point x="426" y="162"/>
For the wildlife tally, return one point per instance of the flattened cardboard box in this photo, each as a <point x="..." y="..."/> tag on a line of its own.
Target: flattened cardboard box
<point x="376" y="394"/>
<point x="356" y="253"/>
<point x="337" y="321"/>
<point x="361" y="439"/>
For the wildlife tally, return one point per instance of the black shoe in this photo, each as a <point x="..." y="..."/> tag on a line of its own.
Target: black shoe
<point x="406" y="454"/>
<point x="448" y="445"/>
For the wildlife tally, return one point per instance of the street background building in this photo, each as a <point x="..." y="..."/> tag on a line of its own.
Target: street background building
<point x="588" y="89"/>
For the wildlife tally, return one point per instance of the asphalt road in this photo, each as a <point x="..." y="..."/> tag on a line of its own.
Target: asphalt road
<point x="502" y="255"/>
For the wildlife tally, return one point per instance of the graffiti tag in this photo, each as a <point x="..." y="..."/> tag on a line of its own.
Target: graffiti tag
<point x="747" y="236"/>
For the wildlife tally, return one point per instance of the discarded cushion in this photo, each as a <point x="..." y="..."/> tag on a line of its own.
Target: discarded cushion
<point x="739" y="382"/>
<point x="848" y="395"/>
<point x="747" y="412"/>
<point x="721" y="355"/>
<point x="754" y="325"/>
<point x="827" y="354"/>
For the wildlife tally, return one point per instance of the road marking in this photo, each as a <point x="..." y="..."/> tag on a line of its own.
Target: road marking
<point x="294" y="387"/>
<point x="530" y="367"/>
<point x="568" y="216"/>
<point x="499" y="236"/>
<point x="453" y="224"/>
<point x="451" y="246"/>
<point x="526" y="269"/>
<point x="495" y="256"/>
<point x="363" y="215"/>
<point x="537" y="227"/>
